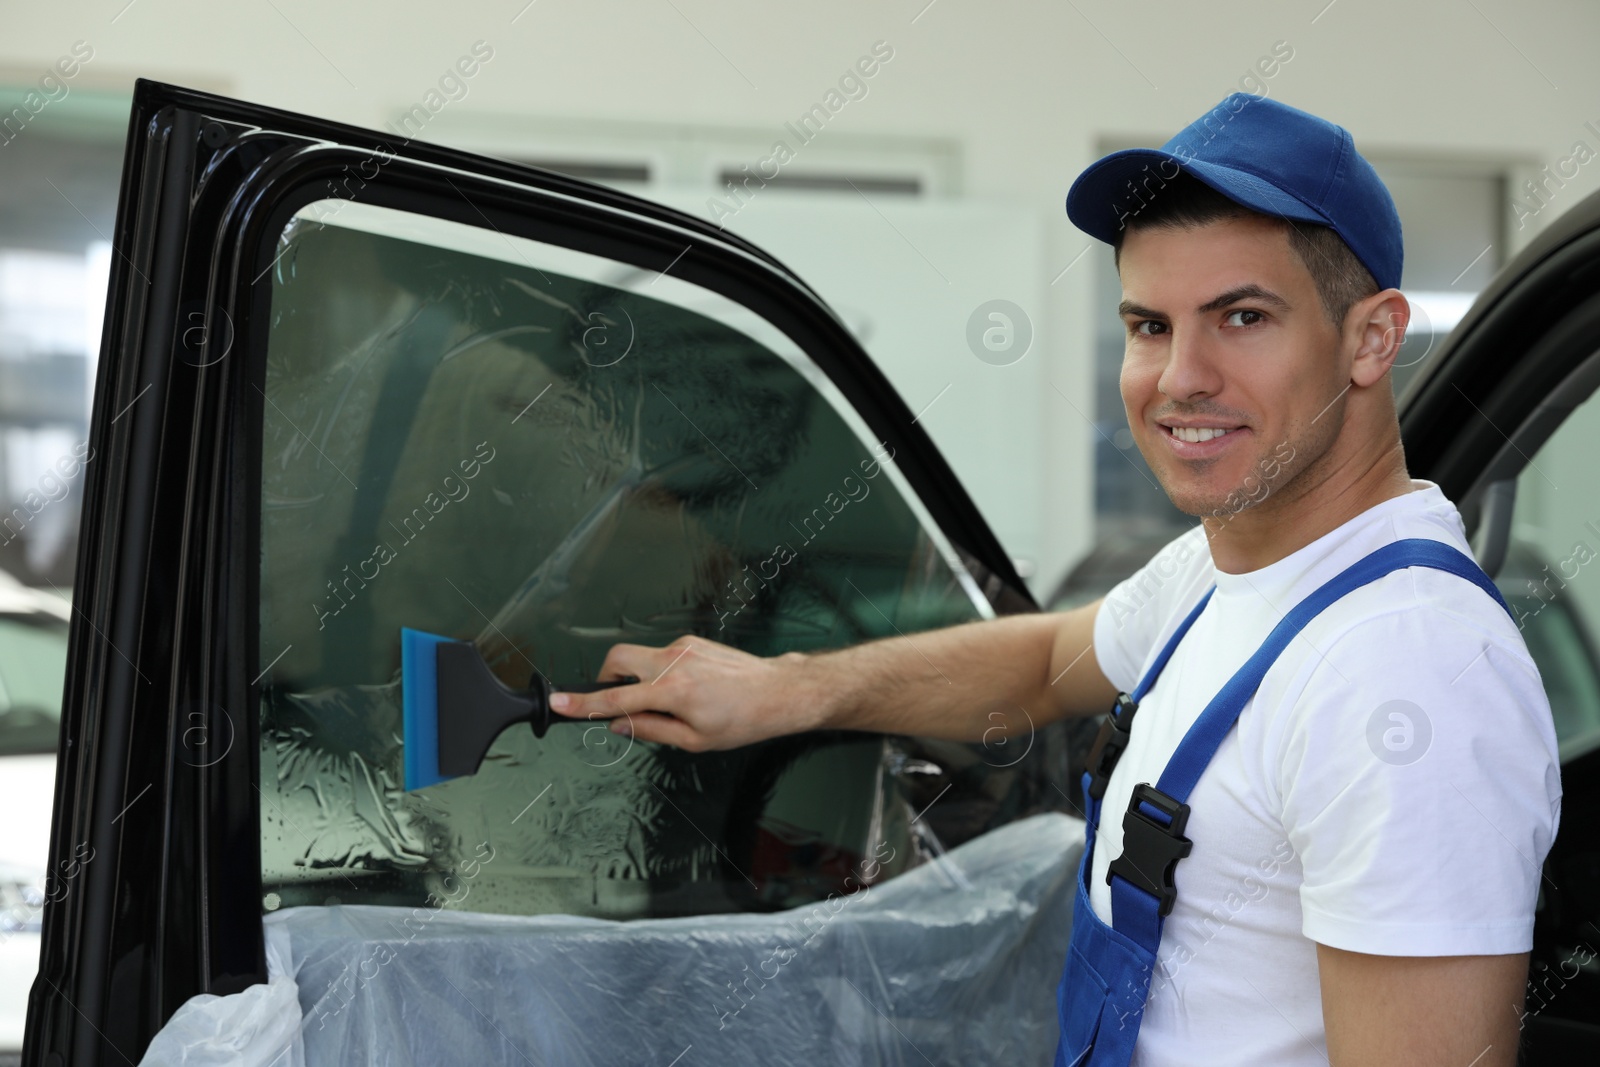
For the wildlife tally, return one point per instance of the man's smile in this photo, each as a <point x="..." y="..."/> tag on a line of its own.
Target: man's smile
<point x="1200" y="440"/>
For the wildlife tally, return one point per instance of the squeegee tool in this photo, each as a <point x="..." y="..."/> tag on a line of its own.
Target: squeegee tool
<point x="454" y="707"/>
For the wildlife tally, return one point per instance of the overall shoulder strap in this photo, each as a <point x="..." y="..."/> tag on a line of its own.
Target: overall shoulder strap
<point x="1118" y="725"/>
<point x="1142" y="887"/>
<point x="1194" y="752"/>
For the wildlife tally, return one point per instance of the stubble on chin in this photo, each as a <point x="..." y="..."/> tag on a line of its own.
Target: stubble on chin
<point x="1266" y="477"/>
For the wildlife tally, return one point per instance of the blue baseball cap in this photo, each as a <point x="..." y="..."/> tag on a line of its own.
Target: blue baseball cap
<point x="1269" y="157"/>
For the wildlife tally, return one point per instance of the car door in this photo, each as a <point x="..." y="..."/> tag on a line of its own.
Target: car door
<point x="351" y="383"/>
<point x="1504" y="418"/>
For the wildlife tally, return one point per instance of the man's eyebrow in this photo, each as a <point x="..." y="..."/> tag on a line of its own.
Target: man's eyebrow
<point x="1252" y="291"/>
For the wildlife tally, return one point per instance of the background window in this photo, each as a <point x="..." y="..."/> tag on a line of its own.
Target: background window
<point x="57" y="211"/>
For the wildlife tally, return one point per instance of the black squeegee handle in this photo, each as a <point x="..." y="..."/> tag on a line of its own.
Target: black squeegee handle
<point x="544" y="718"/>
<point x="473" y="706"/>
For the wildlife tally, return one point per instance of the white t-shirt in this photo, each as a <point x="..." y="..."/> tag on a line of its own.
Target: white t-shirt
<point x="1392" y="787"/>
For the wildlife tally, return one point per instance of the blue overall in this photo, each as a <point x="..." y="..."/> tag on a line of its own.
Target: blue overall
<point x="1106" y="979"/>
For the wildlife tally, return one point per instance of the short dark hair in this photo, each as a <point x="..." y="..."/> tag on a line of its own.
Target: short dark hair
<point x="1186" y="201"/>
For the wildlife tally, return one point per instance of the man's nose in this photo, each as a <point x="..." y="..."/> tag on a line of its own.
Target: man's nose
<point x="1191" y="369"/>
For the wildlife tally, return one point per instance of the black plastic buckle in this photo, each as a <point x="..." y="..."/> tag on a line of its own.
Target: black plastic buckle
<point x="1109" y="743"/>
<point x="1151" y="850"/>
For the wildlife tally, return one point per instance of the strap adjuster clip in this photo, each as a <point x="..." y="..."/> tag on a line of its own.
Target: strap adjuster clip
<point x="1151" y="849"/>
<point x="1109" y="743"/>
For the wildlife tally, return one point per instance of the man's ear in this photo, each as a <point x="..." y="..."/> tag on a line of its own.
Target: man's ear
<point x="1377" y="324"/>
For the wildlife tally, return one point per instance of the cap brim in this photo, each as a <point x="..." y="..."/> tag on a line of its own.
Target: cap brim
<point x="1118" y="187"/>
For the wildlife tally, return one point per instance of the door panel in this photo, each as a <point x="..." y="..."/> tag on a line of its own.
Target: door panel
<point x="347" y="386"/>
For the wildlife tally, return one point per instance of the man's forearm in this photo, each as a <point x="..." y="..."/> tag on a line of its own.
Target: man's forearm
<point x="987" y="681"/>
<point x="956" y="683"/>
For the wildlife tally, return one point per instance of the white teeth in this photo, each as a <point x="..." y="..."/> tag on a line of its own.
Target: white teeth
<point x="1197" y="434"/>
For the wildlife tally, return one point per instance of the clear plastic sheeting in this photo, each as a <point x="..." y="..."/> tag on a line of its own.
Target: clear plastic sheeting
<point x="955" y="962"/>
<point x="259" y="1027"/>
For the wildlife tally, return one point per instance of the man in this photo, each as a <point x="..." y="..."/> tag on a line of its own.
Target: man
<point x="1367" y="834"/>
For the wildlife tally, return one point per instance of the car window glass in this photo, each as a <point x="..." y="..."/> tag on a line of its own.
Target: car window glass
<point x="547" y="452"/>
<point x="1551" y="577"/>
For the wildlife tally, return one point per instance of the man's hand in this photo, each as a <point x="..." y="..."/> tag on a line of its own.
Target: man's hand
<point x="1421" y="1011"/>
<point x="699" y="695"/>
<point x="972" y="682"/>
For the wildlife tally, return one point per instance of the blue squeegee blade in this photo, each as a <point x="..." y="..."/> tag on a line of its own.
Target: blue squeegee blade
<point x="419" y="684"/>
